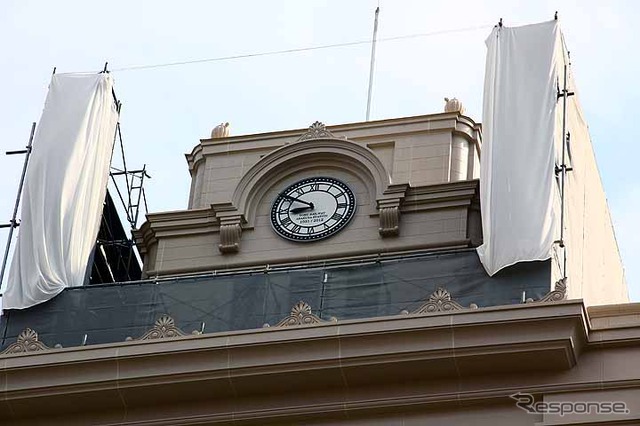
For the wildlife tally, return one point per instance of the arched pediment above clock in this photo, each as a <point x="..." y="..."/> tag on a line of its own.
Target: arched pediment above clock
<point x="297" y="157"/>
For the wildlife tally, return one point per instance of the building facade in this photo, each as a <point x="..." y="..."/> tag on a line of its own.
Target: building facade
<point x="329" y="276"/>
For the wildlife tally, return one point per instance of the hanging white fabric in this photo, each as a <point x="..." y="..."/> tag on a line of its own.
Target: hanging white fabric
<point x="64" y="190"/>
<point x="518" y="189"/>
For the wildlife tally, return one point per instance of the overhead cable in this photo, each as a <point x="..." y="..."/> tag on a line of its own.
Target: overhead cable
<point x="295" y="50"/>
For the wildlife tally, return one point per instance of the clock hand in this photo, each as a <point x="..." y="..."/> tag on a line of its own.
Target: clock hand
<point x="300" y="209"/>
<point x="289" y="197"/>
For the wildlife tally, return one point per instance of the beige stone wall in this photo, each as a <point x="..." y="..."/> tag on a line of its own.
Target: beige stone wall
<point x="420" y="150"/>
<point x="594" y="267"/>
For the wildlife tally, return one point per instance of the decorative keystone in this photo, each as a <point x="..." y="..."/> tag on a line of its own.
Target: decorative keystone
<point x="317" y="131"/>
<point x="27" y="341"/>
<point x="164" y="327"/>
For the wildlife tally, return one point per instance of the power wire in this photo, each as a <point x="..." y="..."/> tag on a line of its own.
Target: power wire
<point x="301" y="49"/>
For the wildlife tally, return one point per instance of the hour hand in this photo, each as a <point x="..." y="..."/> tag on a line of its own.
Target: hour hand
<point x="289" y="197"/>
<point x="300" y="209"/>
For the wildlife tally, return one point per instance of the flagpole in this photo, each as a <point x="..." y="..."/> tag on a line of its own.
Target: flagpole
<point x="373" y="60"/>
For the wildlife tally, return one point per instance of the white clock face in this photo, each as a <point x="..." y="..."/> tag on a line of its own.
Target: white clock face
<point x="312" y="209"/>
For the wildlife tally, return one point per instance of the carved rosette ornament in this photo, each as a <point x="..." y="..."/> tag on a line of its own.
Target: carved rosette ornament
<point x="300" y="315"/>
<point x="164" y="327"/>
<point x="440" y="301"/>
<point x="317" y="131"/>
<point x="27" y="341"/>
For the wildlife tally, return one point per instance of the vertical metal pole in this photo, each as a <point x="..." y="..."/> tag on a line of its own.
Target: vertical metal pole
<point x="373" y="61"/>
<point x="563" y="170"/>
<point x="17" y="204"/>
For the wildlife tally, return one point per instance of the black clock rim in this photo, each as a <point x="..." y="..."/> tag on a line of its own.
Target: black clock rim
<point x="351" y="211"/>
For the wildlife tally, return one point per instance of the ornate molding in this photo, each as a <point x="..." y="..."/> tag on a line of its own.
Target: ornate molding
<point x="558" y="293"/>
<point x="440" y="301"/>
<point x="389" y="221"/>
<point x="27" y="341"/>
<point x="317" y="131"/>
<point x="164" y="327"/>
<point x="230" y="238"/>
<point x="300" y="315"/>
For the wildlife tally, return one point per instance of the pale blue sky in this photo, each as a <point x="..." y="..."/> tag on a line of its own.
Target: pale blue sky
<point x="167" y="110"/>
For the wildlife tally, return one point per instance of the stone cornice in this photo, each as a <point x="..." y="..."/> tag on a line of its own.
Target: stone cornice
<point x="205" y="220"/>
<point x="422" y="123"/>
<point x="179" y="222"/>
<point x="439" y="196"/>
<point x="447" y="346"/>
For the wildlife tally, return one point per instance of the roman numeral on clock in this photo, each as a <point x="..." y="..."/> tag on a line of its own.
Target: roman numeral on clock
<point x="342" y="205"/>
<point x="336" y="216"/>
<point x="285" y="221"/>
<point x="296" y="229"/>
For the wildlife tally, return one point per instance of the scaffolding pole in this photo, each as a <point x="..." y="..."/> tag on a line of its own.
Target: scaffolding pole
<point x="564" y="94"/>
<point x="13" y="224"/>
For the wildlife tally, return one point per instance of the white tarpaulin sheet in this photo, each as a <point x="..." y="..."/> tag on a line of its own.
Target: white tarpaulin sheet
<point x="518" y="193"/>
<point x="64" y="190"/>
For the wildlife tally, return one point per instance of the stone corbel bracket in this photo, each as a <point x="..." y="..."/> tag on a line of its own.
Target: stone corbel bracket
<point x="164" y="327"/>
<point x="389" y="210"/>
<point x="230" y="221"/>
<point x="27" y="341"/>
<point x="301" y="314"/>
<point x="439" y="301"/>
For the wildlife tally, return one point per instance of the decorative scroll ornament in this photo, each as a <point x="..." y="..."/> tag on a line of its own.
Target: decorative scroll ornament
<point x="300" y="315"/>
<point x="317" y="131"/>
<point x="557" y="294"/>
<point x="27" y="342"/>
<point x="164" y="327"/>
<point x="389" y="221"/>
<point x="440" y="301"/>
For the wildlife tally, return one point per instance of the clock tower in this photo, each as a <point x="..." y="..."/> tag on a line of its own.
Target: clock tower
<point x="320" y="194"/>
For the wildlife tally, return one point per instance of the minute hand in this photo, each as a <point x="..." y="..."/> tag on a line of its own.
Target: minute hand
<point x="289" y="197"/>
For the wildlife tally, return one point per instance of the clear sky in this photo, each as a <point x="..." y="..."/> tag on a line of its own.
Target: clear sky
<point x="166" y="110"/>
